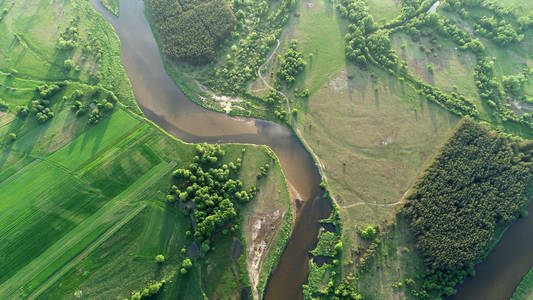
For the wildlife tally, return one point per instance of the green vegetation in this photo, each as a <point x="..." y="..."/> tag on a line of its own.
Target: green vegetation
<point x="471" y="58"/>
<point x="326" y="245"/>
<point x="112" y="6"/>
<point x="524" y="290"/>
<point x="192" y="30"/>
<point x="368" y="232"/>
<point x="160" y="258"/>
<point x="292" y="64"/>
<point x="150" y="291"/>
<point x="236" y="61"/>
<point x="478" y="182"/>
<point x="214" y="195"/>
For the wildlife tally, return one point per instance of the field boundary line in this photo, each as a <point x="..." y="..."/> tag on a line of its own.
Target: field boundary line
<point x="128" y="142"/>
<point x="27" y="273"/>
<point x="97" y="154"/>
<point x="22" y="170"/>
<point x="95" y="244"/>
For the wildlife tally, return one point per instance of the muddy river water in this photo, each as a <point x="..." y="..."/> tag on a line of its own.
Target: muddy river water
<point x="164" y="103"/>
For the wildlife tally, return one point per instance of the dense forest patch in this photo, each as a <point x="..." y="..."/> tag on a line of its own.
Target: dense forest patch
<point x="191" y="30"/>
<point x="478" y="183"/>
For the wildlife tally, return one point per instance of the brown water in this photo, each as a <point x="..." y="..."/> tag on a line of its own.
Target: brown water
<point x="498" y="276"/>
<point x="164" y="103"/>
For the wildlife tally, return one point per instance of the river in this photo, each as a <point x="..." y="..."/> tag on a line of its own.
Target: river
<point x="164" y="103"/>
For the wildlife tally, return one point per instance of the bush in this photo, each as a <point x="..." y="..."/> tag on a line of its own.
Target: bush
<point x="22" y="111"/>
<point x="187" y="264"/>
<point x="12" y="137"/>
<point x="160" y="258"/>
<point x="3" y="105"/>
<point x="367" y="233"/>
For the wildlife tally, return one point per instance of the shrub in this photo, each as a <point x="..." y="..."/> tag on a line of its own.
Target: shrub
<point x="3" y="105"/>
<point x="160" y="258"/>
<point x="12" y="137"/>
<point x="367" y="233"/>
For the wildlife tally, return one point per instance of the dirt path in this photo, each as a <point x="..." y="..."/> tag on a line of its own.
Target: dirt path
<point x="266" y="83"/>
<point x="316" y="159"/>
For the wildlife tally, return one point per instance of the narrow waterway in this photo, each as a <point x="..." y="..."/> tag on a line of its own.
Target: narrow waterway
<point x="164" y="103"/>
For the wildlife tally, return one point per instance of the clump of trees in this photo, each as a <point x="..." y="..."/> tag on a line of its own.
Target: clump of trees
<point x="368" y="232"/>
<point x="345" y="291"/>
<point x="301" y="93"/>
<point x="496" y="27"/>
<point x="453" y="101"/>
<point x="68" y="39"/>
<point x="327" y="245"/>
<point x="186" y="265"/>
<point x="98" y="101"/>
<point x="514" y="83"/>
<point x="41" y="110"/>
<point x="477" y="183"/>
<point x="210" y="192"/>
<point x="258" y="25"/>
<point x="497" y="30"/>
<point x="277" y="102"/>
<point x="149" y="291"/>
<point x="47" y="91"/>
<point x="191" y="30"/>
<point x="292" y="64"/>
<point x="40" y="106"/>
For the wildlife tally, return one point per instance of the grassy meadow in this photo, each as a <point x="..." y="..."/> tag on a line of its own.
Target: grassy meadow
<point x="84" y="212"/>
<point x="395" y="260"/>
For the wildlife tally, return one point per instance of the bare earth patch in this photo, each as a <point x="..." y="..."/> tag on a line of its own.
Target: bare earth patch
<point x="264" y="227"/>
<point x="227" y="103"/>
